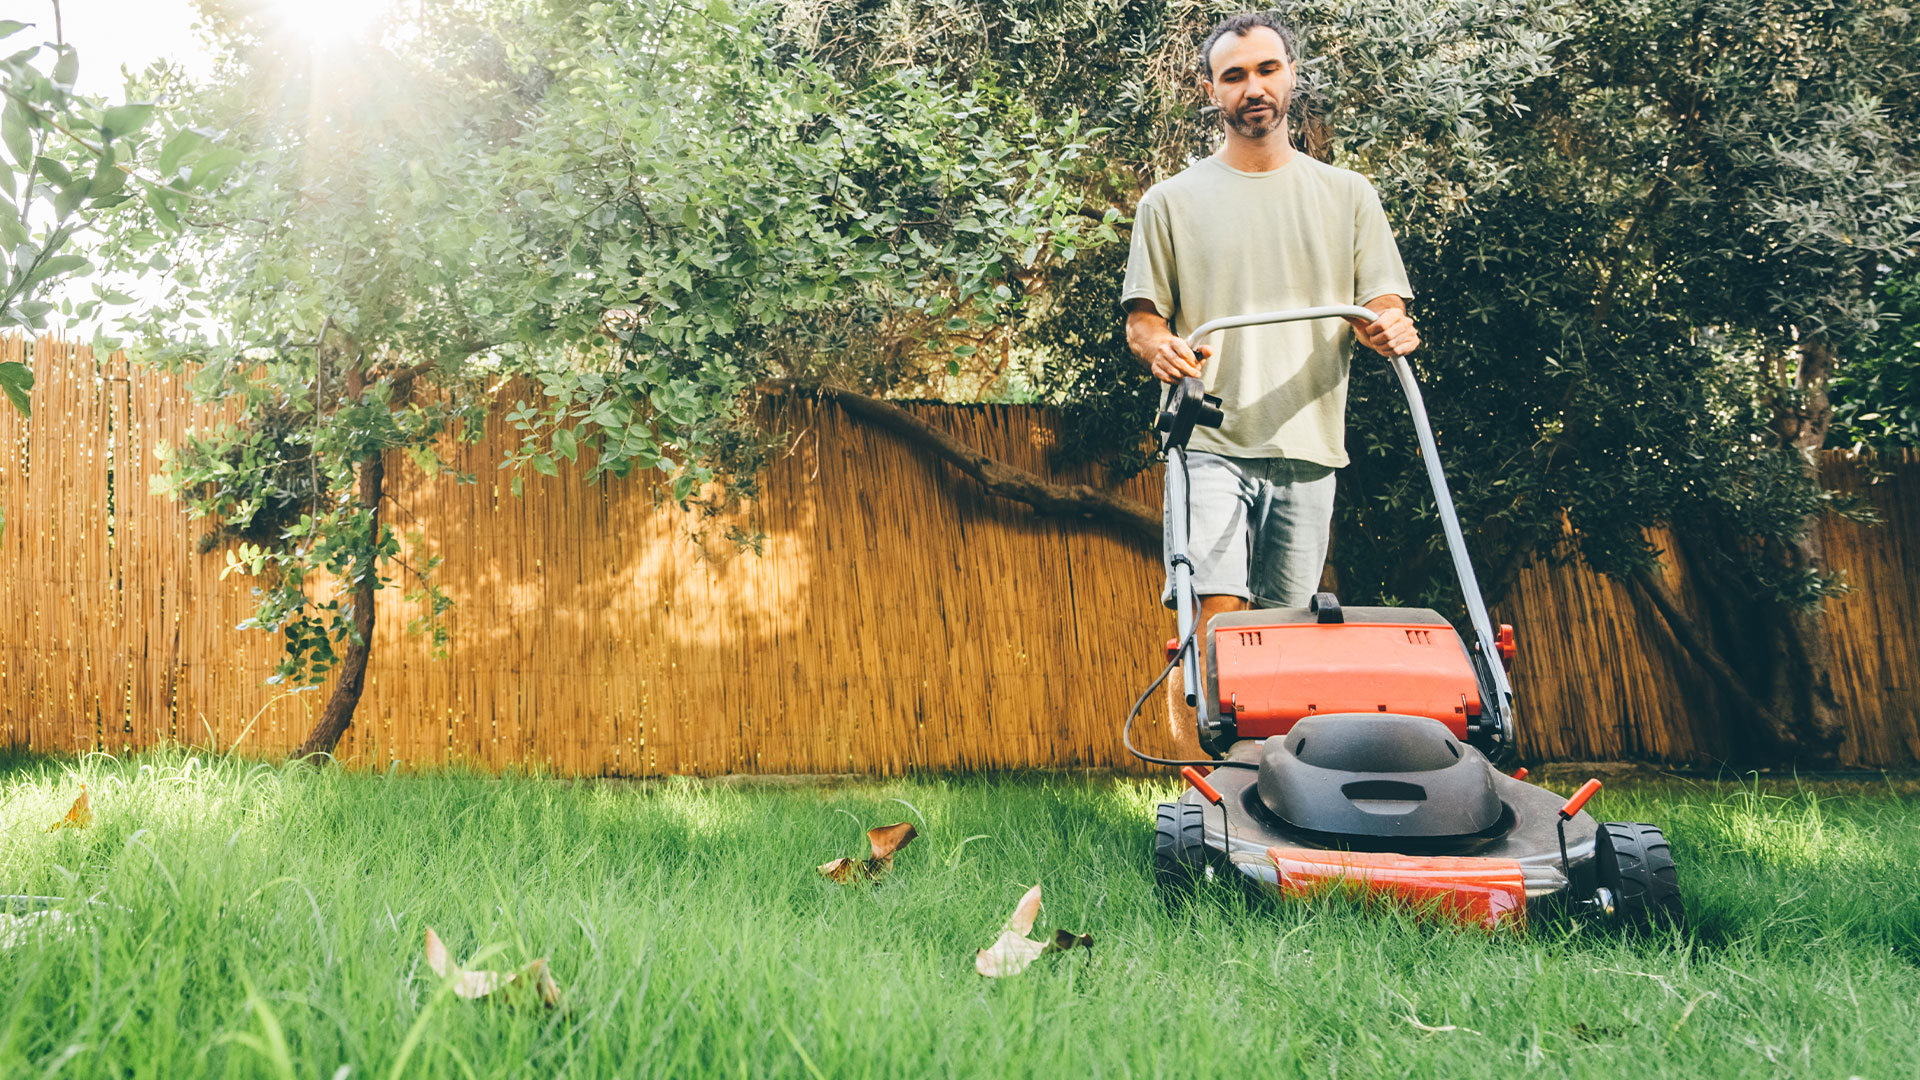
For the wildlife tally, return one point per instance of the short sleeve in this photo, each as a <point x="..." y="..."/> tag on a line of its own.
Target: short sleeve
<point x="1377" y="269"/>
<point x="1150" y="272"/>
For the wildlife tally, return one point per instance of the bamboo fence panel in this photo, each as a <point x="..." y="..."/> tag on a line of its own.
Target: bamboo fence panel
<point x="896" y="619"/>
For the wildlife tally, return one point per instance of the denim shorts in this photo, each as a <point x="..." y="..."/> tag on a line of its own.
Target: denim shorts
<point x="1257" y="528"/>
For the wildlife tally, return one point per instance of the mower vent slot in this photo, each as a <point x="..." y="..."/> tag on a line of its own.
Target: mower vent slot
<point x="1391" y="797"/>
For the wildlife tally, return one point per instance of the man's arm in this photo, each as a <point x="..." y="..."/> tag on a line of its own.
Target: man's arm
<point x="1164" y="352"/>
<point x="1391" y="333"/>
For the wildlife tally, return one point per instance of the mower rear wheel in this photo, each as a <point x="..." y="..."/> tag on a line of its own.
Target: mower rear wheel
<point x="1180" y="844"/>
<point x="1635" y="863"/>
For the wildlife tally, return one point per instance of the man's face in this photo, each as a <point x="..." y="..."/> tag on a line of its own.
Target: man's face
<point x="1252" y="81"/>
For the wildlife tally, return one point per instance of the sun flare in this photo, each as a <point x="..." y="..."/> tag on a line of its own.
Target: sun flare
<point x="328" y="22"/>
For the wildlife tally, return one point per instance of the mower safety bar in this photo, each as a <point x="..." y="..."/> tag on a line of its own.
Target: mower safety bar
<point x="1493" y="675"/>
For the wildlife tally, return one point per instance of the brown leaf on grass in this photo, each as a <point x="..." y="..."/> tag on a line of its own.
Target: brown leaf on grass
<point x="479" y="984"/>
<point x="79" y="815"/>
<point x="1025" y="913"/>
<point x="1013" y="950"/>
<point x="884" y="841"/>
<point x="887" y="839"/>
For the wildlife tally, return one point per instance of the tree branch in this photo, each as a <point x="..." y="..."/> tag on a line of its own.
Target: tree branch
<point x="998" y="478"/>
<point x="1694" y="643"/>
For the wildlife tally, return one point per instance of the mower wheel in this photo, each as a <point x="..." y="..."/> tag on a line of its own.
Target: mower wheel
<point x="1635" y="863"/>
<point x="1180" y="844"/>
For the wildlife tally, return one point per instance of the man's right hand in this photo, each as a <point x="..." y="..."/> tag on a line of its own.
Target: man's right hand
<point x="1173" y="359"/>
<point x="1165" y="353"/>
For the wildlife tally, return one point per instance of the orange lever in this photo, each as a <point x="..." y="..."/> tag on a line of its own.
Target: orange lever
<point x="1200" y="784"/>
<point x="1587" y="791"/>
<point x="1520" y="773"/>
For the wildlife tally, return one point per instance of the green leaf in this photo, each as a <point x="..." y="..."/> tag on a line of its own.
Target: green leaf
<point x="10" y="27"/>
<point x="12" y="232"/>
<point x="13" y="131"/>
<point x="65" y="203"/>
<point x="162" y="212"/>
<point x="178" y="145"/>
<point x="15" y="381"/>
<point x="565" y="445"/>
<point x="59" y="266"/>
<point x="54" y="171"/>
<point x="544" y="465"/>
<point x="215" y="163"/>
<point x="107" y="181"/>
<point x="124" y="120"/>
<point x="66" y="70"/>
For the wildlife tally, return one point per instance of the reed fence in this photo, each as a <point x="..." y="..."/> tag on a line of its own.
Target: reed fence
<point x="896" y="618"/>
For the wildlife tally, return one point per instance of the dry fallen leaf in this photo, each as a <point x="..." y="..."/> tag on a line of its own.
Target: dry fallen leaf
<point x="1013" y="950"/>
<point x="479" y="984"/>
<point x="884" y="841"/>
<point x="79" y="815"/>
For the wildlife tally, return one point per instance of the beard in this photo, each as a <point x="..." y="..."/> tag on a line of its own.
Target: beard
<point x="1262" y="125"/>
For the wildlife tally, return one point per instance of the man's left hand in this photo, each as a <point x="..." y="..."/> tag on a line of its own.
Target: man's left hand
<point x="1391" y="333"/>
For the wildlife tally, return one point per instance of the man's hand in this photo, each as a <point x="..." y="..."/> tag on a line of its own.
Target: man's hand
<point x="1165" y="353"/>
<point x="1391" y="332"/>
<point x="1173" y="359"/>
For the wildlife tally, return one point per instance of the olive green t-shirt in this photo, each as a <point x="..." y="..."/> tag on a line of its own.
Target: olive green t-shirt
<point x="1215" y="241"/>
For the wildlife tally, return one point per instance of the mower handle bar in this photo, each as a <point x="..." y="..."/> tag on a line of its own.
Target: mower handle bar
<point x="1501" y="709"/>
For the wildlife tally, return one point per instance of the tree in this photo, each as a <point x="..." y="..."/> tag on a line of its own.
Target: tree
<point x="650" y="210"/>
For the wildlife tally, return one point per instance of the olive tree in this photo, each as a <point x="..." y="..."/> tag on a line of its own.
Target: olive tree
<point x="653" y="211"/>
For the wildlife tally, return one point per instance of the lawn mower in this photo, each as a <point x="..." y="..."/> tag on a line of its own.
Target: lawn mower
<point x="1356" y="747"/>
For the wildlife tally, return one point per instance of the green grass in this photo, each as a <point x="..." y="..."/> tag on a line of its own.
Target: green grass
<point x="267" y="922"/>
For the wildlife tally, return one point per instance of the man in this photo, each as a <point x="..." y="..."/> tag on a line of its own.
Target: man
<point x="1259" y="227"/>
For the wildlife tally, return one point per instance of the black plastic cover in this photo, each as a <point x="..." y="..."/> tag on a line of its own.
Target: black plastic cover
<point x="1378" y="774"/>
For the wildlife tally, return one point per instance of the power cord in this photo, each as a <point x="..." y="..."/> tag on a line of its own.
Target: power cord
<point x="1126" y="729"/>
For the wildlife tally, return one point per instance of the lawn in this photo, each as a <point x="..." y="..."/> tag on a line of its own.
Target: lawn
<point x="263" y="921"/>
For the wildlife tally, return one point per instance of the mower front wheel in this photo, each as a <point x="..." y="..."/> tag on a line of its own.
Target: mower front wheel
<point x="1180" y="854"/>
<point x="1634" y="863"/>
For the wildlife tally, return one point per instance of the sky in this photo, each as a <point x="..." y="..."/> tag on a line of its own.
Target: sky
<point x="113" y="33"/>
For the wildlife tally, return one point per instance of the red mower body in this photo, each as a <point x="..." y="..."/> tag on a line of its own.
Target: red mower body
<point x="1270" y="668"/>
<point x="1469" y="891"/>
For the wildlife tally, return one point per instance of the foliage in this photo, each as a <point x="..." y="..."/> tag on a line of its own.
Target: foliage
<point x="1625" y="225"/>
<point x="1676" y="199"/>
<point x="732" y="213"/>
<point x="650" y="212"/>
<point x="1876" y="391"/>
<point x="318" y="299"/>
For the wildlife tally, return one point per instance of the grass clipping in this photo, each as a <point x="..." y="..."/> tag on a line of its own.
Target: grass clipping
<point x="1014" y="950"/>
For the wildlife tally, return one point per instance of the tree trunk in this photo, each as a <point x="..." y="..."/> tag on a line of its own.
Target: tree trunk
<point x="1802" y="676"/>
<point x="338" y="714"/>
<point x="1059" y="500"/>
<point x="1693" y="640"/>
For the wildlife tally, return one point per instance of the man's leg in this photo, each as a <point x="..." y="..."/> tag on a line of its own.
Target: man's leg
<point x="1220" y="495"/>
<point x="1289" y="547"/>
<point x="1184" y="718"/>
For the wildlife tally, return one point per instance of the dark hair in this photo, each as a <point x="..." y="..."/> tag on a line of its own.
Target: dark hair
<point x="1238" y="25"/>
